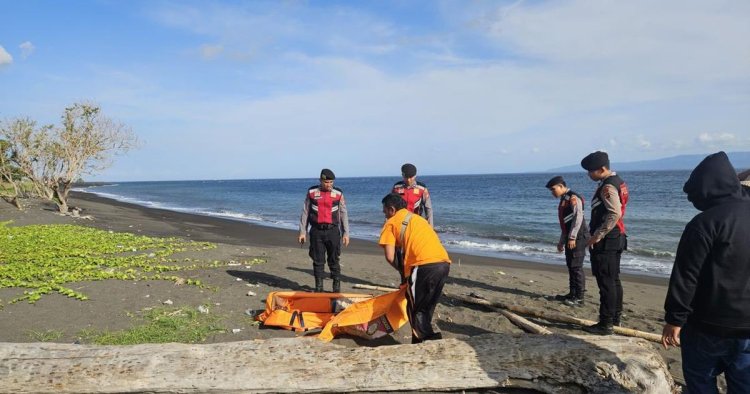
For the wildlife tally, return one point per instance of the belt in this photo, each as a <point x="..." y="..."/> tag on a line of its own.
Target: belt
<point x="325" y="226"/>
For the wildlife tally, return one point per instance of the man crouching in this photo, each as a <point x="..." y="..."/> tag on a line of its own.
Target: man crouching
<point x="425" y="263"/>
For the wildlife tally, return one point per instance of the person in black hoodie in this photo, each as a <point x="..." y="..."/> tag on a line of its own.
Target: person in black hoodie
<point x="708" y="301"/>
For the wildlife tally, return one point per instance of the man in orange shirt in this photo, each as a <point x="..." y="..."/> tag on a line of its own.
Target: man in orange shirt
<point x="425" y="263"/>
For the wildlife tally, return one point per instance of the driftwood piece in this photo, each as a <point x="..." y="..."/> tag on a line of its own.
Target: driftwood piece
<point x="371" y="287"/>
<point x="548" y="364"/>
<point x="519" y="321"/>
<point x="550" y="316"/>
<point x="559" y="317"/>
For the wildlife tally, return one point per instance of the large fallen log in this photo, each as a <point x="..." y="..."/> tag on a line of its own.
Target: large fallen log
<point x="548" y="364"/>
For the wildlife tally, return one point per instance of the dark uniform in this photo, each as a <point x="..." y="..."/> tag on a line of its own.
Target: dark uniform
<point x="417" y="196"/>
<point x="608" y="230"/>
<point x="570" y="209"/>
<point x="325" y="213"/>
<point x="605" y="254"/>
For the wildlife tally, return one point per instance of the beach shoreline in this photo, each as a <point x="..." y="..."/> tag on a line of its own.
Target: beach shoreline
<point x="233" y="231"/>
<point x="287" y="266"/>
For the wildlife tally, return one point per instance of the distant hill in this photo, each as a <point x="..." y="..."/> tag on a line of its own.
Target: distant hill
<point x="740" y="160"/>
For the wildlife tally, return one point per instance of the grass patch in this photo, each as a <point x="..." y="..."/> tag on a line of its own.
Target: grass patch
<point x="46" y="335"/>
<point x="161" y="325"/>
<point x="44" y="258"/>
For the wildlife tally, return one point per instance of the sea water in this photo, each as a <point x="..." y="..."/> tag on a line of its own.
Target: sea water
<point x="499" y="215"/>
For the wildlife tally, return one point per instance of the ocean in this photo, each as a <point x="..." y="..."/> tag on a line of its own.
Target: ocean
<point x="500" y="215"/>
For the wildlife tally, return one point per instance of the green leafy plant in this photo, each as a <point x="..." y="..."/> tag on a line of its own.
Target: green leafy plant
<point x="44" y="258"/>
<point x="46" y="335"/>
<point x="160" y="325"/>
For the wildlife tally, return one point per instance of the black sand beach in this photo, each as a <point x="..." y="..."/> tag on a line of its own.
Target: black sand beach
<point x="287" y="267"/>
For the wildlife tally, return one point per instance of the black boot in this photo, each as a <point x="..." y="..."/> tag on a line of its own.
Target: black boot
<point x="616" y="320"/>
<point x="602" y="328"/>
<point x="336" y="285"/>
<point x="318" y="285"/>
<point x="563" y="297"/>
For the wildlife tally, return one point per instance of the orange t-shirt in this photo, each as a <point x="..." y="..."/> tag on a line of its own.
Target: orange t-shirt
<point x="422" y="243"/>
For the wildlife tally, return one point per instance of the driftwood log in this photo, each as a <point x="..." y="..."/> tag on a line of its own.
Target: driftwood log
<point x="548" y="364"/>
<point x="559" y="317"/>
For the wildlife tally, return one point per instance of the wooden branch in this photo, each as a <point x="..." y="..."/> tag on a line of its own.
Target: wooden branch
<point x="519" y="321"/>
<point x="559" y="317"/>
<point x="370" y="287"/>
<point x="548" y="364"/>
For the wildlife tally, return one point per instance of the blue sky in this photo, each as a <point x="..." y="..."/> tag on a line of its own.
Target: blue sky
<point x="276" y="89"/>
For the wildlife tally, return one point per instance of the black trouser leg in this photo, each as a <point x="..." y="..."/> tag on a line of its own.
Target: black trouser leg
<point x="576" y="276"/>
<point x="318" y="251"/>
<point x="333" y="249"/>
<point x="618" y="288"/>
<point x="606" y="269"/>
<point x="425" y="288"/>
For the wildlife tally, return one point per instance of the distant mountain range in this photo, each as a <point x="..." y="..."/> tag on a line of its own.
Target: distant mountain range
<point x="740" y="160"/>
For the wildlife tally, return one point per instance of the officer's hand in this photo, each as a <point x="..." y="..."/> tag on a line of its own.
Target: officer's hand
<point x="571" y="244"/>
<point x="301" y="239"/>
<point x="345" y="240"/>
<point x="560" y="247"/>
<point x="670" y="335"/>
<point x="591" y="242"/>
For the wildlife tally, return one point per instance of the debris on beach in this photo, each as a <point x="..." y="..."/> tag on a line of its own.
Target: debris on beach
<point x="168" y="302"/>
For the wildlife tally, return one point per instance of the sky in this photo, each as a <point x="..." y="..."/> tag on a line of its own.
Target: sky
<point x="281" y="89"/>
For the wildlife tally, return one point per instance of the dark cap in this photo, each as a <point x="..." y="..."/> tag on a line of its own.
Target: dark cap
<point x="327" y="175"/>
<point x="555" y="181"/>
<point x="408" y="170"/>
<point x="595" y="161"/>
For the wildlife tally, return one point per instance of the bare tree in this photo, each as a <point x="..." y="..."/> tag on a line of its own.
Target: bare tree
<point x="85" y="144"/>
<point x="52" y="159"/>
<point x="9" y="175"/>
<point x="29" y="156"/>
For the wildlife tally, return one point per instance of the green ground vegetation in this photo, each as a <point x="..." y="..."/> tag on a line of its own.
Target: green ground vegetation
<point x="46" y="258"/>
<point x="46" y="335"/>
<point x="160" y="325"/>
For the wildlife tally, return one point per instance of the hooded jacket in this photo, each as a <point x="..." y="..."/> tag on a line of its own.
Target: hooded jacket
<point x="710" y="282"/>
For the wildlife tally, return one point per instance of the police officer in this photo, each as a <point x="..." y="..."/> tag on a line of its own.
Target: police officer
<point x="608" y="239"/>
<point x="573" y="236"/>
<point x="415" y="193"/>
<point x="324" y="211"/>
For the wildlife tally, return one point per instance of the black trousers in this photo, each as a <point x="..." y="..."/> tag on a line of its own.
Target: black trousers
<point x="605" y="264"/>
<point x="425" y="286"/>
<point x="576" y="276"/>
<point x="325" y="246"/>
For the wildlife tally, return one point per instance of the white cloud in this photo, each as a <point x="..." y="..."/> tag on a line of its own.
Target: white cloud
<point x="5" y="57"/>
<point x="210" y="51"/>
<point x="643" y="142"/>
<point x="710" y="139"/>
<point x="27" y="48"/>
<point x="678" y="38"/>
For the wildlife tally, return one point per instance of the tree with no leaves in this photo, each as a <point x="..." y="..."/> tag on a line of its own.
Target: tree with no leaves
<point x="52" y="159"/>
<point x="27" y="156"/>
<point x="85" y="144"/>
